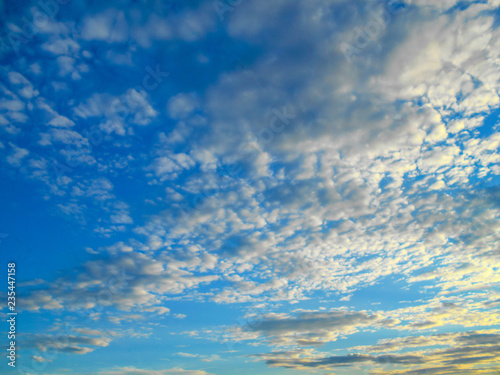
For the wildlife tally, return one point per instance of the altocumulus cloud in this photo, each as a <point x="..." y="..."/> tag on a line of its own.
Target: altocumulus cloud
<point x="247" y="165"/>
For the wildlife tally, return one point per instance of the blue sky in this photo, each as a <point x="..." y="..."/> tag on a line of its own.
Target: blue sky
<point x="249" y="186"/>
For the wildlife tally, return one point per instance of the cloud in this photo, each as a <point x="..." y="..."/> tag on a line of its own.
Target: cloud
<point x="136" y="371"/>
<point x="17" y="155"/>
<point x="62" y="122"/>
<point x="61" y="46"/>
<point x="334" y="361"/>
<point x="109" y="26"/>
<point x="69" y="344"/>
<point x="273" y="176"/>
<point x="181" y="105"/>
<point x="117" y="112"/>
<point x="168" y="167"/>
<point x="311" y="328"/>
<point x="127" y="281"/>
<point x="461" y="353"/>
<point x="22" y="85"/>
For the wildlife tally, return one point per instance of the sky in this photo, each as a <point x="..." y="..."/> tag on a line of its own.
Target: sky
<point x="240" y="187"/>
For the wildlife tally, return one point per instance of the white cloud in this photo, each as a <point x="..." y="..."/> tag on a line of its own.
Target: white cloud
<point x="309" y="174"/>
<point x="181" y="105"/>
<point x="23" y="87"/>
<point x="110" y="26"/>
<point x="136" y="371"/>
<point x="62" y="122"/>
<point x="61" y="46"/>
<point x="17" y="155"/>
